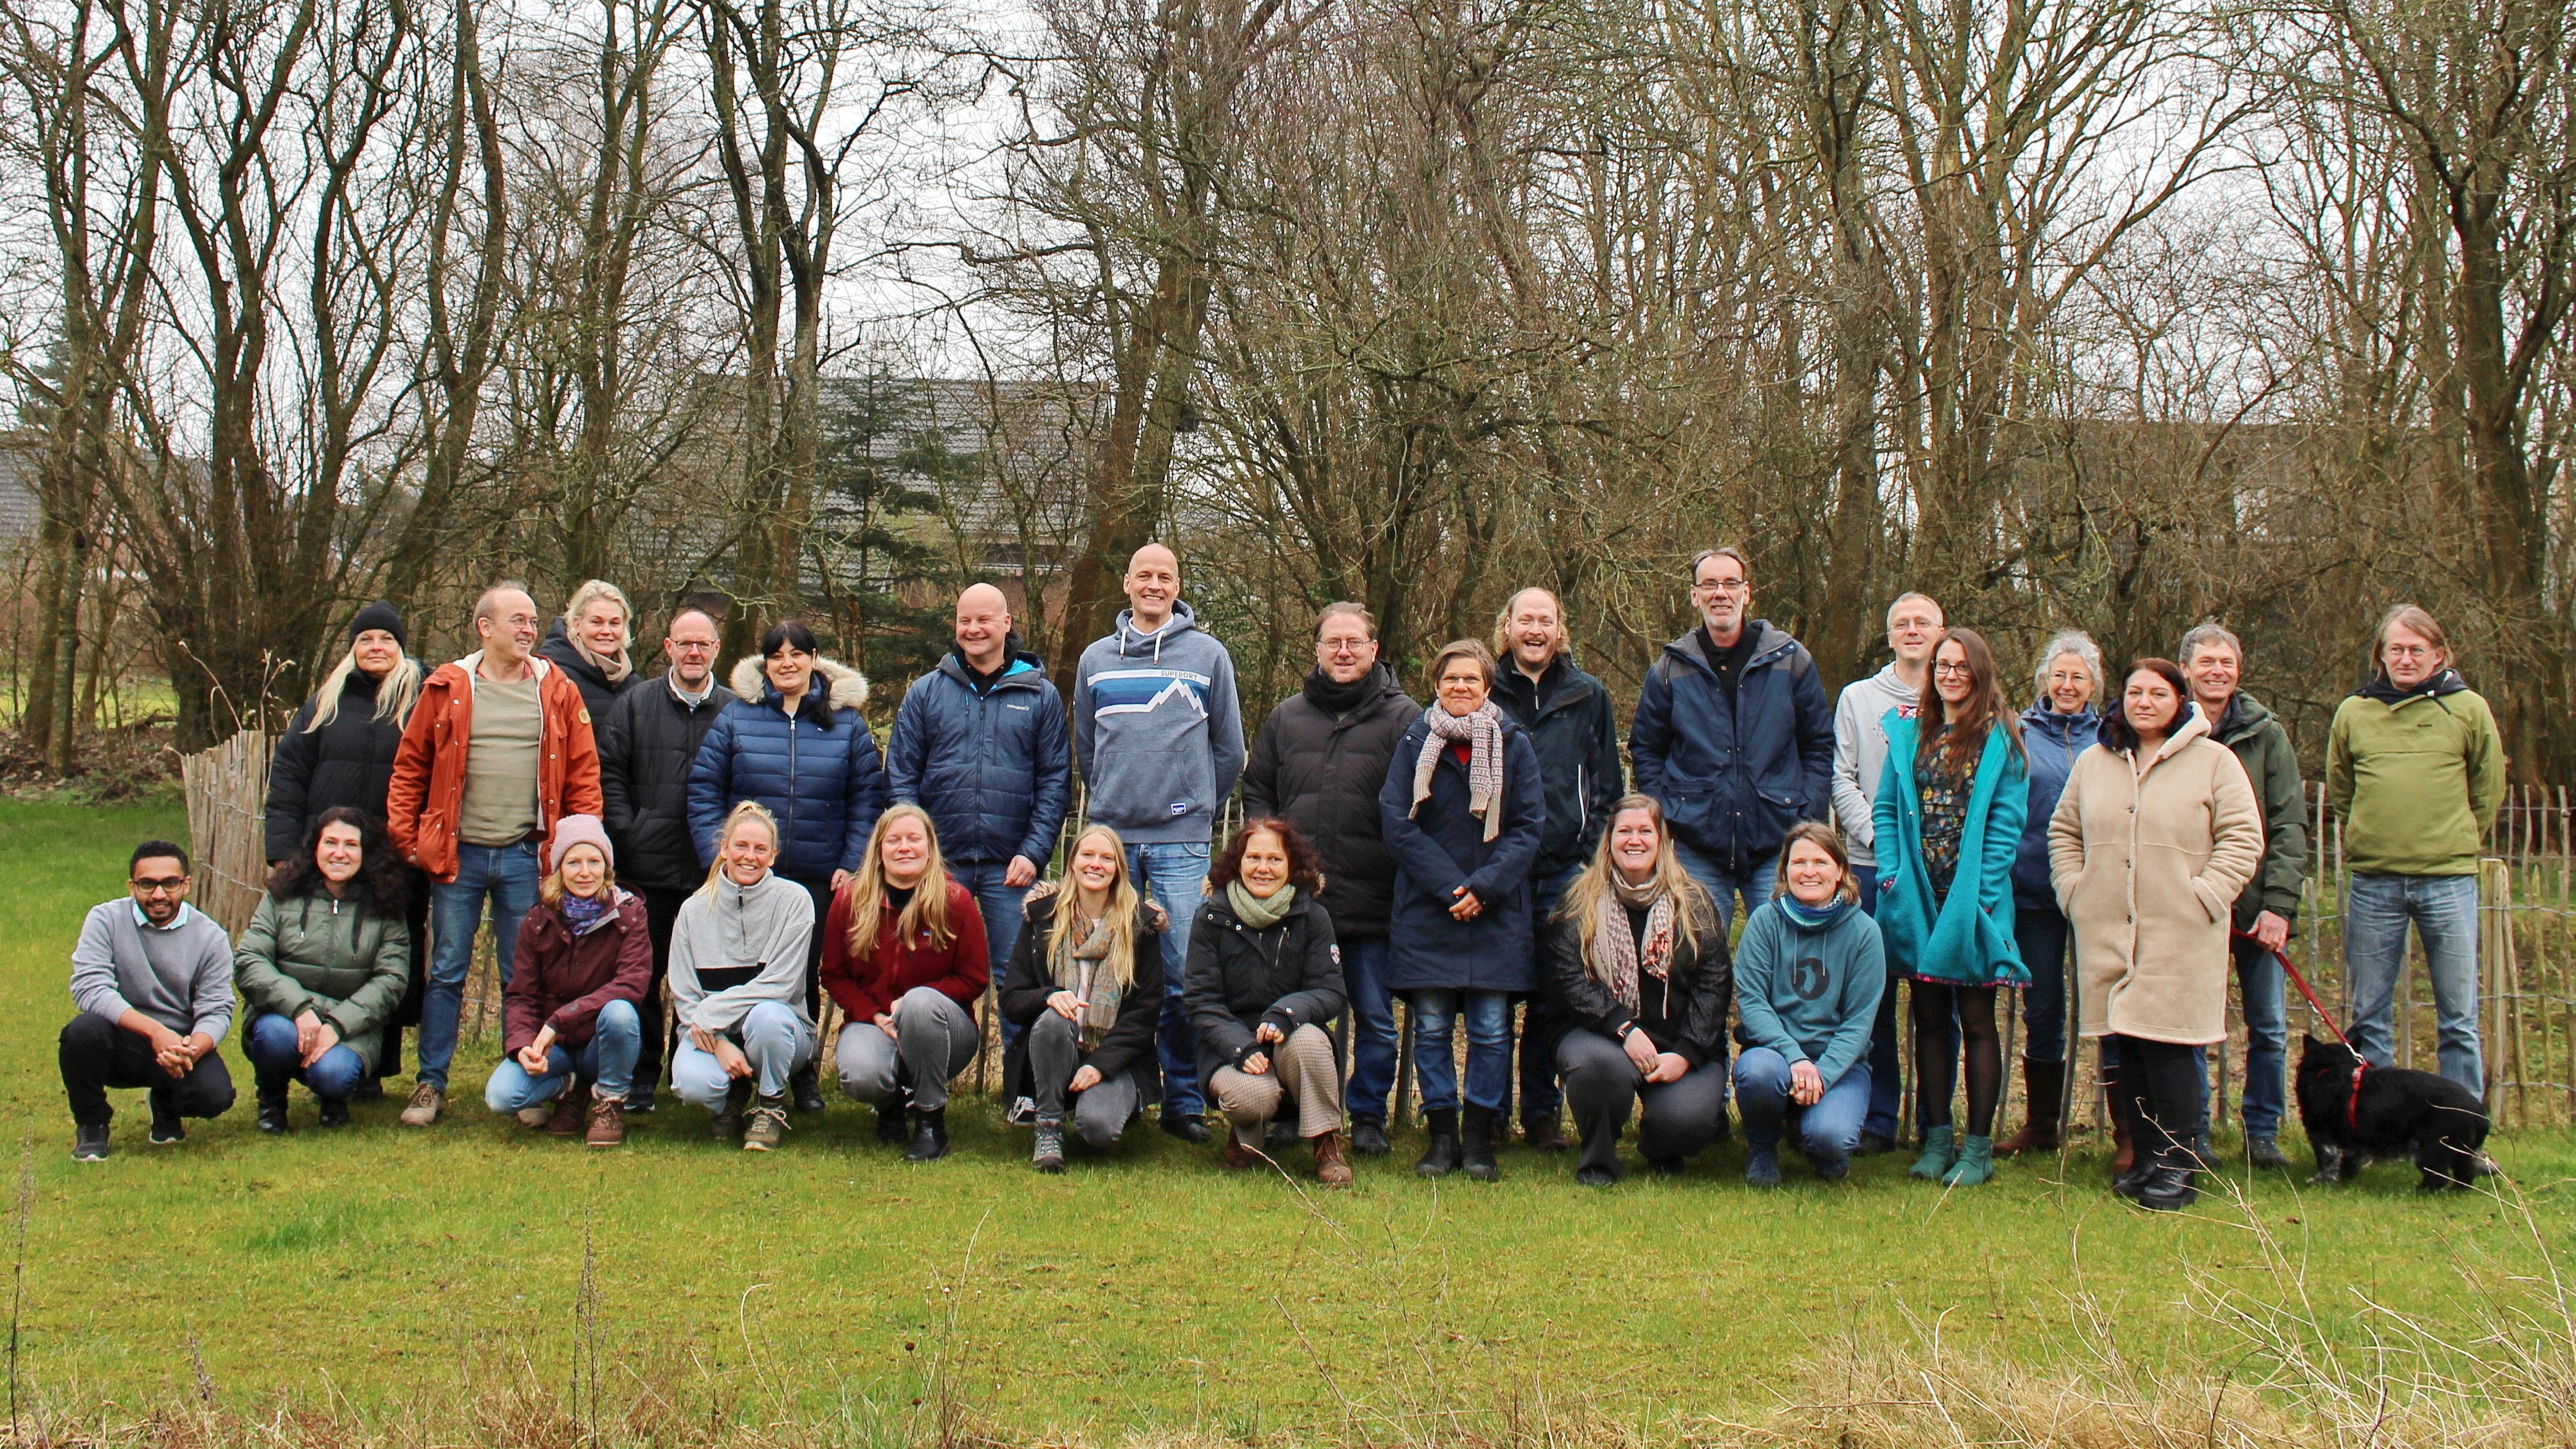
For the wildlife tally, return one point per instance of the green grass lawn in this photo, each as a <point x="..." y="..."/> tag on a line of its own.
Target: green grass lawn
<point x="387" y="1271"/>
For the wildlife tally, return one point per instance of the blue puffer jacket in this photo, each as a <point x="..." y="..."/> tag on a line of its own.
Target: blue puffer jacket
<point x="2052" y="741"/>
<point x="994" y="767"/>
<point x="1734" y="778"/>
<point x="818" y="772"/>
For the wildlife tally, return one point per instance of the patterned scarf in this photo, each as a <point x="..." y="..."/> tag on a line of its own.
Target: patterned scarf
<point x="580" y="913"/>
<point x="1812" y="918"/>
<point x="1614" y="943"/>
<point x="1483" y="732"/>
<point x="1078" y="969"/>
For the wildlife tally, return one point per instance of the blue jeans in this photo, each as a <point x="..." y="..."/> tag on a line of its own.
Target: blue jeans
<point x="1827" y="1131"/>
<point x="270" y="1045"/>
<point x="1002" y="919"/>
<point x="1724" y="885"/>
<point x="508" y="876"/>
<point x="1489" y="1048"/>
<point x="1172" y="873"/>
<point x="2444" y="909"/>
<point x="607" y="1059"/>
<point x="1373" y="1041"/>
<point x="2265" y="994"/>
<point x="2041" y="933"/>
<point x="1540" y="1028"/>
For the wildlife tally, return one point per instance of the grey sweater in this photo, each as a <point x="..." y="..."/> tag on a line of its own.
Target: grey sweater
<point x="181" y="977"/>
<point x="1157" y="730"/>
<point x="1860" y="753"/>
<point x="732" y="929"/>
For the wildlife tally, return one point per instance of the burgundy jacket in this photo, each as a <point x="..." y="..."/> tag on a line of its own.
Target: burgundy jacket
<point x="562" y="980"/>
<point x="957" y="971"/>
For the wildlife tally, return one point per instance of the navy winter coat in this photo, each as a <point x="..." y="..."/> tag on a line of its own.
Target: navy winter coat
<point x="994" y="767"/>
<point x="1576" y="734"/>
<point x="1734" y="778"/>
<point x="1444" y="848"/>
<point x="2052" y="741"/>
<point x="817" y="772"/>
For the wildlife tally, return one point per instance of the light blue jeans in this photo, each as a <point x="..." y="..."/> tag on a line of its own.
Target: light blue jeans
<point x="1489" y="1047"/>
<point x="1172" y="872"/>
<point x="2444" y="909"/>
<point x="777" y="1044"/>
<point x="607" y="1059"/>
<point x="507" y="875"/>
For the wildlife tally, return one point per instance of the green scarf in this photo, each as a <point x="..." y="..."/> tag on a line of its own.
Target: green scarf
<point x="1257" y="913"/>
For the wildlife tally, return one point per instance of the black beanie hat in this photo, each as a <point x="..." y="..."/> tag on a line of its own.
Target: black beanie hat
<point x="379" y="615"/>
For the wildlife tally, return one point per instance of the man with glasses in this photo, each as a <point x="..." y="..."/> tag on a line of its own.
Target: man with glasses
<point x="1318" y="763"/>
<point x="1734" y="737"/>
<point x="647" y="741"/>
<point x="153" y="979"/>
<point x="498" y="751"/>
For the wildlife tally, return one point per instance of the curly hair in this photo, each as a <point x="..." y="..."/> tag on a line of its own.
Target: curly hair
<point x="381" y="880"/>
<point x="1305" y="867"/>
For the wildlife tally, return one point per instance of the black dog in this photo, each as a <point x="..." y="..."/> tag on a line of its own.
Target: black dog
<point x="2441" y="1123"/>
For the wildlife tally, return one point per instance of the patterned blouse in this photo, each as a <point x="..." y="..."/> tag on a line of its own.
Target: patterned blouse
<point x="1942" y="793"/>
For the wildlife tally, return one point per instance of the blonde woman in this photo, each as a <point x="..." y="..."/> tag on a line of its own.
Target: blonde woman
<point x="738" y="985"/>
<point x="1637" y="968"/>
<point x="904" y="955"/>
<point x="1086" y="984"/>
<point x="591" y="641"/>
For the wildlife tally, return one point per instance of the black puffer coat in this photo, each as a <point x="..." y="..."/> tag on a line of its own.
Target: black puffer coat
<point x="596" y="692"/>
<point x="1320" y="771"/>
<point x="1236" y="978"/>
<point x="346" y="762"/>
<point x="648" y="742"/>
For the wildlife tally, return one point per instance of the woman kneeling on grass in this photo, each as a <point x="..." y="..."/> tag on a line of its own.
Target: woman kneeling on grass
<point x="572" y="1017"/>
<point x="737" y="980"/>
<point x="323" y="964"/>
<point x="904" y="955"/>
<point x="1262" y="986"/>
<point x="1086" y="980"/>
<point x="1808" y="974"/>
<point x="1637" y="967"/>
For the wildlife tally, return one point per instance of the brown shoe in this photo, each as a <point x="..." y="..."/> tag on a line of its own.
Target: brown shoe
<point x="1332" y="1169"/>
<point x="426" y="1101"/>
<point x="2043" y="1083"/>
<point x="569" y="1111"/>
<point x="1239" y="1157"/>
<point x="607" y="1122"/>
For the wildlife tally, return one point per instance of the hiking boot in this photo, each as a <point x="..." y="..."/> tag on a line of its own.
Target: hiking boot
<point x="335" y="1111"/>
<point x="566" y="1119"/>
<point x="607" y="1123"/>
<point x="726" y="1124"/>
<point x="272" y="1113"/>
<point x="1975" y="1165"/>
<point x="766" y="1127"/>
<point x="1477" y="1143"/>
<point x="1049" y="1156"/>
<point x="2264" y="1152"/>
<point x="929" y="1136"/>
<point x="89" y="1142"/>
<point x="2045" y="1085"/>
<point x="1240" y="1156"/>
<point x="1187" y="1126"/>
<point x="1332" y="1169"/>
<point x="1440" y="1158"/>
<point x="1940" y="1150"/>
<point x="2169" y="1184"/>
<point x="1368" y="1136"/>
<point x="1762" y="1166"/>
<point x="426" y="1103"/>
<point x="1544" y="1131"/>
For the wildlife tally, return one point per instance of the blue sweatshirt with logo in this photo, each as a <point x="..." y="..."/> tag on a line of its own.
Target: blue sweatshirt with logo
<point x="1157" y="730"/>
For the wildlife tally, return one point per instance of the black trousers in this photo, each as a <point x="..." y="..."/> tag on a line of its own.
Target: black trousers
<point x="661" y="912"/>
<point x="98" y="1054"/>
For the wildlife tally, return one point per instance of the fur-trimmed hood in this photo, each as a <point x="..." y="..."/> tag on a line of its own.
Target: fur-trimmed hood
<point x="849" y="687"/>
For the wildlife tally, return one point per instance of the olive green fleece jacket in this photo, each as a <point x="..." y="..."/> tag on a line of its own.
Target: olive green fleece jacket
<point x="2417" y="777"/>
<point x="342" y="960"/>
<point x="2262" y="746"/>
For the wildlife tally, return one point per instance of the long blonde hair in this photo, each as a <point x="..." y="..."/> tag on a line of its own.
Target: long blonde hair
<point x="396" y="693"/>
<point x="751" y="810"/>
<point x="1585" y="894"/>
<point x="1121" y="913"/>
<point x="926" y="912"/>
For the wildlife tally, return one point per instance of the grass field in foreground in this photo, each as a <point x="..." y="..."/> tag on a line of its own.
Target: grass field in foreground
<point x="387" y="1269"/>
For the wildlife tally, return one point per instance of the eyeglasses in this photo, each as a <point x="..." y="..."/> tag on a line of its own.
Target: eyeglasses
<point x="165" y="886"/>
<point x="693" y="646"/>
<point x="1960" y="671"/>
<point x="1724" y="586"/>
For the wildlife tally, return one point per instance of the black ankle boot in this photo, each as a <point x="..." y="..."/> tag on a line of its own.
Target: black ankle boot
<point x="1440" y="1158"/>
<point x="2171" y="1183"/>
<point x="805" y="1084"/>
<point x="929" y="1135"/>
<point x="1478" y="1145"/>
<point x="1368" y="1136"/>
<point x="272" y="1112"/>
<point x="891" y="1129"/>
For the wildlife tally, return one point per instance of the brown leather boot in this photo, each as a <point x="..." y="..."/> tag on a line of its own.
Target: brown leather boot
<point x="1238" y="1156"/>
<point x="607" y="1122"/>
<point x="1332" y="1169"/>
<point x="2045" y="1084"/>
<point x="570" y="1110"/>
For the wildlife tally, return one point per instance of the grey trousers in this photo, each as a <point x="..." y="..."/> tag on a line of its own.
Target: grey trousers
<point x="776" y="1041"/>
<point x="1055" y="1054"/>
<point x="938" y="1040"/>
<point x="1602" y="1087"/>
<point x="1303" y="1067"/>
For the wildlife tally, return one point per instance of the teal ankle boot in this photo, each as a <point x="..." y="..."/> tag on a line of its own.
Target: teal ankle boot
<point x="1976" y="1163"/>
<point x="1940" y="1149"/>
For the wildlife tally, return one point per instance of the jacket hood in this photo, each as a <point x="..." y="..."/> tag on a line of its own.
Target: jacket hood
<point x="1769" y="641"/>
<point x="2194" y="727"/>
<point x="849" y="687"/>
<point x="1017" y="663"/>
<point x="539" y="666"/>
<point x="1130" y="642"/>
<point x="2446" y="682"/>
<point x="2243" y="713"/>
<point x="2060" y="727"/>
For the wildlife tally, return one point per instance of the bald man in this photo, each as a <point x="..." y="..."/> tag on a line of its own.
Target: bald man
<point x="982" y="744"/>
<point x="1160" y="738"/>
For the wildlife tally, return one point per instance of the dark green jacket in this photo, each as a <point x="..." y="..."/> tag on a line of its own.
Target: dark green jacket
<point x="340" y="959"/>
<point x="2262" y="746"/>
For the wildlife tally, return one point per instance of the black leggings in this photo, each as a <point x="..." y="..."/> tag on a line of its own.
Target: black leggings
<point x="2162" y="1089"/>
<point x="1935" y="1070"/>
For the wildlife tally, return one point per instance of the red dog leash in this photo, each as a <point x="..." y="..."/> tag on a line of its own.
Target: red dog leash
<point x="2352" y="1105"/>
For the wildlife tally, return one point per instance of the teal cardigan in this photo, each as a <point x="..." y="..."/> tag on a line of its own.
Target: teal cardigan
<point x="1969" y="941"/>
